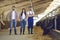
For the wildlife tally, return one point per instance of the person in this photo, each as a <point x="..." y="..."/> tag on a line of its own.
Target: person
<point x="30" y="14"/>
<point x="23" y="21"/>
<point x="13" y="19"/>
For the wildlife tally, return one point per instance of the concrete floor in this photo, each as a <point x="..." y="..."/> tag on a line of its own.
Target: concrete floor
<point x="4" y="35"/>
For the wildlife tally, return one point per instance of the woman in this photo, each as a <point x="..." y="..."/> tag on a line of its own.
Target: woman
<point x="30" y="14"/>
<point x="22" y="21"/>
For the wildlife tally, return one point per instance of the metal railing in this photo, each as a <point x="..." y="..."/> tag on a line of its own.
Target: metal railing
<point x="52" y="14"/>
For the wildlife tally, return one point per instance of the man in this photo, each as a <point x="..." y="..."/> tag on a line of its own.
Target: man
<point x="13" y="20"/>
<point x="30" y="14"/>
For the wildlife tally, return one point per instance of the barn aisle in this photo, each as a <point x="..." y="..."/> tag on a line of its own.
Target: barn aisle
<point x="4" y="35"/>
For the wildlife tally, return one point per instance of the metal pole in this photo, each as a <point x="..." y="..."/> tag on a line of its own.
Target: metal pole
<point x="55" y="23"/>
<point x="31" y="5"/>
<point x="31" y="2"/>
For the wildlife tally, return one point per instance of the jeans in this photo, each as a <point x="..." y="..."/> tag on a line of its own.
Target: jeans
<point x="22" y="28"/>
<point x="13" y="23"/>
<point x="30" y="25"/>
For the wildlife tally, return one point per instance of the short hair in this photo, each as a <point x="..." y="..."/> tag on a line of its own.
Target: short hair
<point x="13" y="6"/>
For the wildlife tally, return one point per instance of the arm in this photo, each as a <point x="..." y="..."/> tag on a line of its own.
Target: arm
<point x="20" y="17"/>
<point x="8" y="16"/>
<point x="32" y="15"/>
<point x="16" y="16"/>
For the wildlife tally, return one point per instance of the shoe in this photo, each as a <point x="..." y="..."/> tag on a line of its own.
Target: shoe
<point x="31" y="33"/>
<point x="28" y="33"/>
<point x="44" y="34"/>
<point x="23" y="33"/>
<point x="10" y="34"/>
<point x="16" y="34"/>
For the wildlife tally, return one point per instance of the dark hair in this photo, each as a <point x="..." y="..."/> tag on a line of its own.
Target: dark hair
<point x="22" y="11"/>
<point x="13" y="6"/>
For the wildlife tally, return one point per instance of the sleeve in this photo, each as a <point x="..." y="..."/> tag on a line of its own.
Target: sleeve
<point x="16" y="14"/>
<point x="9" y="14"/>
